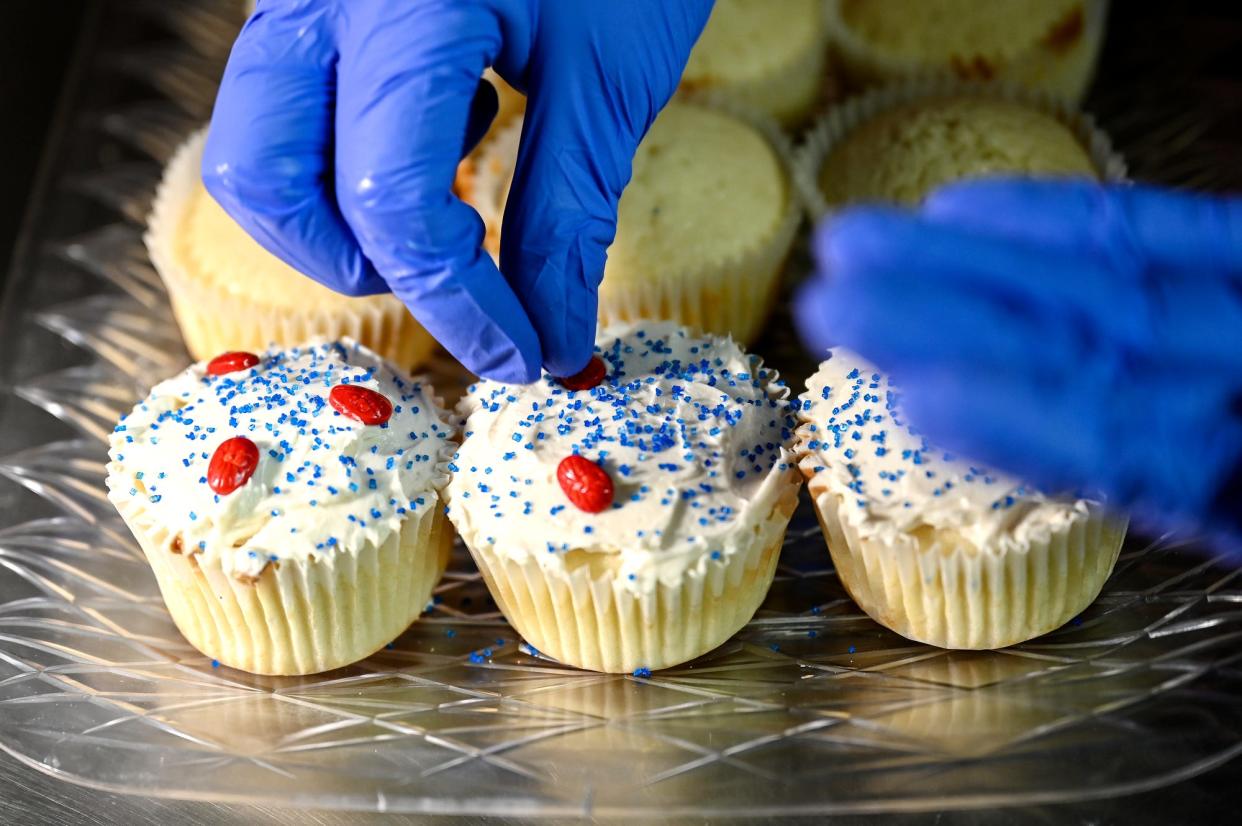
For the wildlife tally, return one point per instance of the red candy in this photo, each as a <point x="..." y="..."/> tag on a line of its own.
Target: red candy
<point x="231" y="362"/>
<point x="585" y="483"/>
<point x="360" y="403"/>
<point x="232" y="465"/>
<point x="587" y="377"/>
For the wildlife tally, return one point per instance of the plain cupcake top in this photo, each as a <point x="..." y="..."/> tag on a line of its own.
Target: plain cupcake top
<point x="941" y="31"/>
<point x="691" y="431"/>
<point x="333" y="466"/>
<point x="890" y="480"/>
<point x="746" y="39"/>
<point x="901" y="154"/>
<point x="705" y="186"/>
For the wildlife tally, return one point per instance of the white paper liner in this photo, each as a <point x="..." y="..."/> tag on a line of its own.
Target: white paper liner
<point x="595" y="621"/>
<point x="957" y="597"/>
<point x="298" y="617"/>
<point x="728" y="296"/>
<point x="213" y="321"/>
<point x="834" y="126"/>
<point x="1065" y="75"/>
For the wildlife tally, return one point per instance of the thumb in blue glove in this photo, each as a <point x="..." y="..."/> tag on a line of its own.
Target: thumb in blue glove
<point x="338" y="129"/>
<point x="1083" y="337"/>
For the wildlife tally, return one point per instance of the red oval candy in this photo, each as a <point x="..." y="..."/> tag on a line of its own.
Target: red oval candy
<point x="232" y="465"/>
<point x="360" y="403"/>
<point x="587" y="377"/>
<point x="585" y="483"/>
<point x="231" y="362"/>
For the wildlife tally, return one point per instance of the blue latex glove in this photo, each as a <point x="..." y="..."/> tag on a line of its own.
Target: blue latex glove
<point x="1082" y="337"/>
<point x="338" y="129"/>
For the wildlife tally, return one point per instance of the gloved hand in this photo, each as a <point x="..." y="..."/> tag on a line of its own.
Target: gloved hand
<point x="1082" y="337"/>
<point x="338" y="129"/>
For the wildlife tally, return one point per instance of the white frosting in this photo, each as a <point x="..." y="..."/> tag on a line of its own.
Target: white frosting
<point x="692" y="431"/>
<point x="324" y="483"/>
<point x="891" y="481"/>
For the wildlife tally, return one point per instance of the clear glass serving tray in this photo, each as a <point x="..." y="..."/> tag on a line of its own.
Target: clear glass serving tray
<point x="812" y="708"/>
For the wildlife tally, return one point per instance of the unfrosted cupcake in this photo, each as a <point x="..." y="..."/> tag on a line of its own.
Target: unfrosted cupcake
<point x="703" y="227"/>
<point x="1047" y="45"/>
<point x="229" y="293"/>
<point x="933" y="548"/>
<point x="767" y="54"/>
<point x="630" y="517"/>
<point x="289" y="503"/>
<point x="896" y="145"/>
<point x="510" y="102"/>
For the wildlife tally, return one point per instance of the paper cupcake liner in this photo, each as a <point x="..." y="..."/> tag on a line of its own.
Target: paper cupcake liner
<point x="732" y="296"/>
<point x="213" y="320"/>
<point x="833" y="127"/>
<point x="973" y="599"/>
<point x="1063" y="74"/>
<point x="790" y="93"/>
<point x="594" y="621"/>
<point x="298" y="617"/>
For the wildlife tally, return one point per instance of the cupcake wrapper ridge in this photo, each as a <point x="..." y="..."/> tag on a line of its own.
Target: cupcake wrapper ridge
<point x="971" y="599"/>
<point x="298" y="617"/>
<point x="598" y="623"/>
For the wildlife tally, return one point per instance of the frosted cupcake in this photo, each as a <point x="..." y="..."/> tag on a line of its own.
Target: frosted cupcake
<point x="898" y="144"/>
<point x="767" y="54"/>
<point x="1050" y="46"/>
<point x="933" y="548"/>
<point x="289" y="504"/>
<point x="629" y="517"/>
<point x="703" y="227"/>
<point x="228" y="293"/>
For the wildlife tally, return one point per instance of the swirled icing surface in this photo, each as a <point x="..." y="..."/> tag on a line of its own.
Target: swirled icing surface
<point x="324" y="482"/>
<point x="890" y="480"/>
<point x="692" y="431"/>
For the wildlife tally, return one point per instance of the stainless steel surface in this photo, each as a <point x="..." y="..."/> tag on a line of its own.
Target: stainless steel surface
<point x="813" y="709"/>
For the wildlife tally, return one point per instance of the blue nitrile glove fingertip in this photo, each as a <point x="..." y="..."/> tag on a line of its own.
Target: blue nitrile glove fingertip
<point x="815" y="315"/>
<point x="859" y="238"/>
